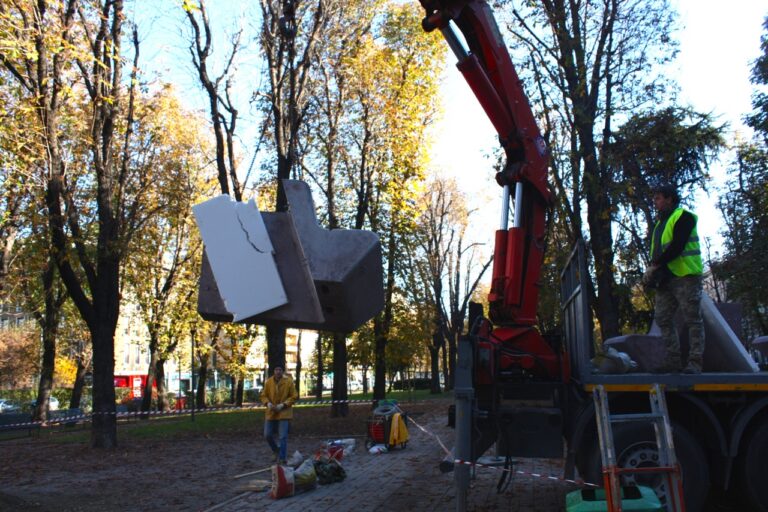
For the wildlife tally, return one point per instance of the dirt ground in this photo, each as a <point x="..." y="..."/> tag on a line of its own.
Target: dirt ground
<point x="189" y="472"/>
<point x="196" y="472"/>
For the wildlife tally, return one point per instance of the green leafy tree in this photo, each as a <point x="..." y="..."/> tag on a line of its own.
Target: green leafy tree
<point x="394" y="84"/>
<point x="69" y="57"/>
<point x="289" y="35"/>
<point x="166" y="252"/>
<point x="758" y="119"/>
<point x="449" y="269"/>
<point x="745" y="208"/>
<point x="238" y="341"/>
<point x="588" y="64"/>
<point x="669" y="146"/>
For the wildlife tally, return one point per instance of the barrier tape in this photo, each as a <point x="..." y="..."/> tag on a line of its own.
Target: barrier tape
<point x="512" y="470"/>
<point x="179" y="412"/>
<point x="175" y="412"/>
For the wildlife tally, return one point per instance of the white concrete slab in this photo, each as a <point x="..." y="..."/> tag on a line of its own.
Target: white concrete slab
<point x="241" y="256"/>
<point x="723" y="349"/>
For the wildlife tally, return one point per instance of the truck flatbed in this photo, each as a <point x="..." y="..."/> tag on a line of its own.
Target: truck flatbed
<point x="721" y="381"/>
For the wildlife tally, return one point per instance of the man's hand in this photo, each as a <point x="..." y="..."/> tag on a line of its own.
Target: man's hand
<point x="270" y="406"/>
<point x="279" y="407"/>
<point x="649" y="278"/>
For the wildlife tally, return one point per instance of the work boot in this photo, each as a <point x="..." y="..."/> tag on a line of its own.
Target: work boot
<point x="283" y="462"/>
<point x="276" y="457"/>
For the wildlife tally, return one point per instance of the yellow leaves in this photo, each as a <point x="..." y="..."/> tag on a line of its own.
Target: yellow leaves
<point x="65" y="372"/>
<point x="190" y="5"/>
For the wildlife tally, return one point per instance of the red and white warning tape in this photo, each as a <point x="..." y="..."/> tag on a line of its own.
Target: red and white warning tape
<point x="174" y="412"/>
<point x="514" y="471"/>
<point x="181" y="412"/>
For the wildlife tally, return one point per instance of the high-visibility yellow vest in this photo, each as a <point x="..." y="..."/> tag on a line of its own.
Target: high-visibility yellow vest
<point x="688" y="263"/>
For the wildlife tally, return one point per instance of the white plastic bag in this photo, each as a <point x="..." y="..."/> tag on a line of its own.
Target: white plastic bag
<point x="613" y="361"/>
<point x="348" y="444"/>
<point x="377" y="448"/>
<point x="305" y="477"/>
<point x="295" y="459"/>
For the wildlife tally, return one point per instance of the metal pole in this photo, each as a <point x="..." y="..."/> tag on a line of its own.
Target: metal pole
<point x="178" y="400"/>
<point x="464" y="396"/>
<point x="457" y="47"/>
<point x="518" y="219"/>
<point x="192" y="372"/>
<point x="504" y="208"/>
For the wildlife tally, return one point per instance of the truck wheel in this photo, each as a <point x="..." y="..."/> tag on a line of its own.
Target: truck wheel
<point x="752" y="468"/>
<point x="636" y="448"/>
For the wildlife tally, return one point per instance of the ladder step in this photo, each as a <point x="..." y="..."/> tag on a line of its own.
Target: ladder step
<point x="648" y="469"/>
<point x="659" y="417"/>
<point x="626" y="418"/>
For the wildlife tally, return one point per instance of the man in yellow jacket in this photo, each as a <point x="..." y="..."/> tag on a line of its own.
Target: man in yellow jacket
<point x="279" y="395"/>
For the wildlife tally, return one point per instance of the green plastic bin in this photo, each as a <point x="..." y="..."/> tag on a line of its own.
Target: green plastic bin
<point x="639" y="499"/>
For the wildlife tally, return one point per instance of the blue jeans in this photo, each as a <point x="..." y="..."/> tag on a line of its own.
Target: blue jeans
<point x="281" y="428"/>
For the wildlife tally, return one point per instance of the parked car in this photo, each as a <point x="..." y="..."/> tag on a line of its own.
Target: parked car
<point x="8" y="405"/>
<point x="53" y="403"/>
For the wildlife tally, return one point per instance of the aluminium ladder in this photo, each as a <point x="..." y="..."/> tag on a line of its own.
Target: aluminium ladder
<point x="659" y="417"/>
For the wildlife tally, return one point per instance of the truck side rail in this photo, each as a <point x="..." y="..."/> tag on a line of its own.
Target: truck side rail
<point x="577" y="320"/>
<point x="577" y="317"/>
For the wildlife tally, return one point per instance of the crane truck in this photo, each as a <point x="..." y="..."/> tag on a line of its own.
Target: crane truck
<point x="527" y="393"/>
<point x="530" y="394"/>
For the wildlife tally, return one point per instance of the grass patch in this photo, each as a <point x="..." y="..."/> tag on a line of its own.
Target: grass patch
<point x="400" y="396"/>
<point x="219" y="422"/>
<point x="309" y="419"/>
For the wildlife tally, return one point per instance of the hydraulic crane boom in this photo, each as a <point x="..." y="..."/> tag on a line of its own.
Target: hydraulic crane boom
<point x="491" y="75"/>
<point x="519" y="248"/>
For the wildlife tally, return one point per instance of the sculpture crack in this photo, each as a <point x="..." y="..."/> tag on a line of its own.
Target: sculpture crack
<point x="248" y="236"/>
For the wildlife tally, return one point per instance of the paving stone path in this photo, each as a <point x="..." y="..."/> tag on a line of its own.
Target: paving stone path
<point x="409" y="480"/>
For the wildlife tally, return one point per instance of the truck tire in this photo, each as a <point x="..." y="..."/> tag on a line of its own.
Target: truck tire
<point x="752" y="468"/>
<point x="636" y="447"/>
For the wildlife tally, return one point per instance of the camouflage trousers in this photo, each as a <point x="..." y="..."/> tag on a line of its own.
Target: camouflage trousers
<point x="683" y="293"/>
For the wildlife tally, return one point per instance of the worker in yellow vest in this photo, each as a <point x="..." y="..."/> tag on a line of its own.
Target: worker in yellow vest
<point x="676" y="273"/>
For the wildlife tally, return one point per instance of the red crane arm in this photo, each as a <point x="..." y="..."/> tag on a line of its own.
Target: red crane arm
<point x="491" y="75"/>
<point x="489" y="71"/>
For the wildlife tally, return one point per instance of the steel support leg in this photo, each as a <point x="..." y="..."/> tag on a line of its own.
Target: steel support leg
<point x="464" y="396"/>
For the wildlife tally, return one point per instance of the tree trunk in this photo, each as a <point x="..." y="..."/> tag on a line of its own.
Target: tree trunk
<point x="77" y="389"/>
<point x="202" y="377"/>
<point x="146" y="399"/>
<point x="382" y="322"/>
<point x="379" y="357"/>
<point x="340" y="407"/>
<point x="40" y="412"/>
<point x="451" y="361"/>
<point x="162" y="405"/>
<point x="49" y="323"/>
<point x="365" y="379"/>
<point x="239" y="392"/>
<point x="434" y="361"/>
<point x="444" y="349"/>
<point x="601" y="242"/>
<point x="275" y="347"/>
<point x="233" y="384"/>
<point x="298" y="365"/>
<point x="320" y="369"/>
<point x="104" y="425"/>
